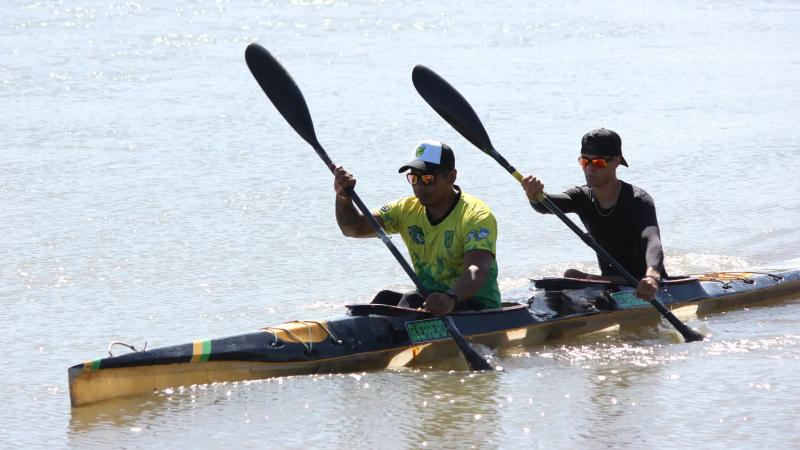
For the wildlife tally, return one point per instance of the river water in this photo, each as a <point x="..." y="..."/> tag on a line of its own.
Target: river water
<point x="151" y="193"/>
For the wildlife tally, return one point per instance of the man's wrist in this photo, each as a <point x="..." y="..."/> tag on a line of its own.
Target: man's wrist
<point x="653" y="272"/>
<point x="452" y="294"/>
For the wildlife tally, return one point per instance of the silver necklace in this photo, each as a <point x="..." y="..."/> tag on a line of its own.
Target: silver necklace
<point x="597" y="207"/>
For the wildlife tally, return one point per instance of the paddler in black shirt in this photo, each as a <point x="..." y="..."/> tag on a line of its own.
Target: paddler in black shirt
<point x="619" y="216"/>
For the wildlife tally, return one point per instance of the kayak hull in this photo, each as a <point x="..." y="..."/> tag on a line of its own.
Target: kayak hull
<point x="375" y="337"/>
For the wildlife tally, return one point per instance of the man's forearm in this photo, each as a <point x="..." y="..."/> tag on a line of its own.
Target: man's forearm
<point x="469" y="283"/>
<point x="477" y="264"/>
<point x="347" y="216"/>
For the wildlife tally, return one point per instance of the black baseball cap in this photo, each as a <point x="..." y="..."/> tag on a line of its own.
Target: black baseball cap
<point x="432" y="156"/>
<point x="603" y="141"/>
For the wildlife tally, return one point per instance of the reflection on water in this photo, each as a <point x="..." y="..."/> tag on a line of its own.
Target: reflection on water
<point x="405" y="408"/>
<point x="631" y="390"/>
<point x="457" y="407"/>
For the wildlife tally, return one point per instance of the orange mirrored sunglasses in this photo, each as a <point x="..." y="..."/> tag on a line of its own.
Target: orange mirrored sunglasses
<point x="599" y="163"/>
<point x="426" y="178"/>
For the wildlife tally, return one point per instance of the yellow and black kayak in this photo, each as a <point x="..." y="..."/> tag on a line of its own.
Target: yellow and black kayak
<point x="375" y="337"/>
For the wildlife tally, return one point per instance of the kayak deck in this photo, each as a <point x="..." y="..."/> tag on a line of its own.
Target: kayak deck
<point x="375" y="337"/>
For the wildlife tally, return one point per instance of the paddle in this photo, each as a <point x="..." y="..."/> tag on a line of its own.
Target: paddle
<point x="281" y="89"/>
<point x="455" y="109"/>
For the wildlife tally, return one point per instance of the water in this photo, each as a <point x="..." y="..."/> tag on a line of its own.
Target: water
<point x="151" y="193"/>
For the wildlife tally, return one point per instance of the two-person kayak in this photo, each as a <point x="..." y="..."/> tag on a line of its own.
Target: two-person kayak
<point x="375" y="337"/>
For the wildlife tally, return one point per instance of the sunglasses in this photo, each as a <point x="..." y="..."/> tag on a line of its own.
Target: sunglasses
<point x="599" y="163"/>
<point x="426" y="178"/>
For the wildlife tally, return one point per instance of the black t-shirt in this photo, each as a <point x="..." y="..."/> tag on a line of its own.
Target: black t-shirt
<point x="628" y="230"/>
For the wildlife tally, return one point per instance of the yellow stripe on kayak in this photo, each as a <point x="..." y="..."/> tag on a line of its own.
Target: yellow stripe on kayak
<point x="725" y="276"/>
<point x="304" y="331"/>
<point x="91" y="364"/>
<point x="201" y="350"/>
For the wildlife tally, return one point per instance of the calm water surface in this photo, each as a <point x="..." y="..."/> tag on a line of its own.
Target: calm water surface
<point x="151" y="193"/>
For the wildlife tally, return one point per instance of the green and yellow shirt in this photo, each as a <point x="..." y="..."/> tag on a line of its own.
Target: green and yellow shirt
<point x="437" y="251"/>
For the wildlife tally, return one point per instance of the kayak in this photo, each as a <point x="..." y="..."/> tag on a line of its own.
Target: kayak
<point x="375" y="337"/>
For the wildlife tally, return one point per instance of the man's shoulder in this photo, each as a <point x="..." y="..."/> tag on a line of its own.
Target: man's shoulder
<point x="639" y="193"/>
<point x="473" y="203"/>
<point x="639" y="198"/>
<point x="403" y="205"/>
<point x="579" y="191"/>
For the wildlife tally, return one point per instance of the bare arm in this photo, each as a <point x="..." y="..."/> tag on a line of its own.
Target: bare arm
<point x="351" y="221"/>
<point x="477" y="264"/>
<point x="348" y="217"/>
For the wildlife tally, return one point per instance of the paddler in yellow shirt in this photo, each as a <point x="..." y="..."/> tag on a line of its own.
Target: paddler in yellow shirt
<point x="450" y="235"/>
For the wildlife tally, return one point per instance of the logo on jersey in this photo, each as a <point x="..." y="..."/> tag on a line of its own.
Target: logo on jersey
<point x="416" y="234"/>
<point x="448" y="238"/>
<point x="478" y="235"/>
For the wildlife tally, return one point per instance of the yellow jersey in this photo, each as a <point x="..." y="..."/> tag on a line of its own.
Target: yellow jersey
<point x="437" y="250"/>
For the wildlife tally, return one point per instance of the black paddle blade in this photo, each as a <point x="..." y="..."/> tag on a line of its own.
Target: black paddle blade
<point x="475" y="361"/>
<point x="451" y="105"/>
<point x="281" y="89"/>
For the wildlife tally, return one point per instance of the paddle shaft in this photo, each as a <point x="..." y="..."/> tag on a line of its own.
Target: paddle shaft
<point x="476" y="361"/>
<point x="585" y="237"/>
<point x="381" y="234"/>
<point x="687" y="333"/>
<point x="456" y="110"/>
<point x="285" y="95"/>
